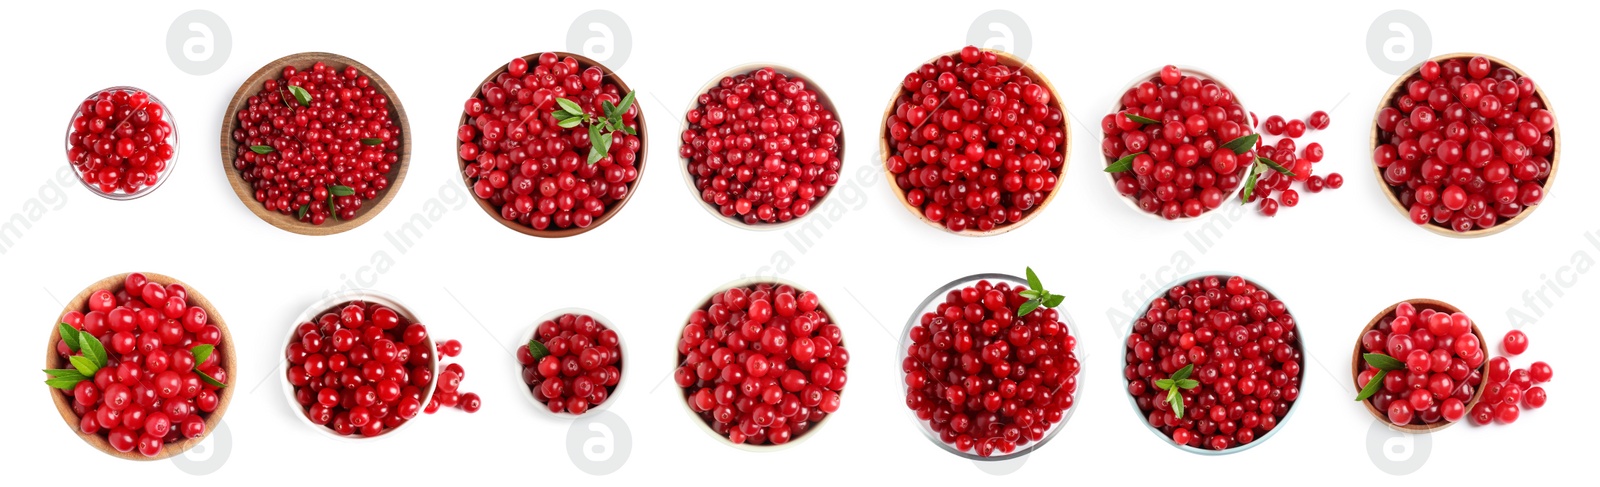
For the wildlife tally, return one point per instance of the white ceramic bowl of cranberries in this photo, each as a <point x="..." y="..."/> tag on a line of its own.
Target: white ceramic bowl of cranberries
<point x="1282" y="384"/>
<point x="1491" y="148"/>
<point x="784" y="387"/>
<point x="1033" y="440"/>
<point x="607" y="392"/>
<point x="1114" y="146"/>
<point x="294" y="344"/>
<point x="812" y="177"/>
<point x="1441" y="385"/>
<point x="122" y="142"/>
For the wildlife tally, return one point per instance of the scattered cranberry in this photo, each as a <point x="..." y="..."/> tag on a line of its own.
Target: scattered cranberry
<point x="1514" y="343"/>
<point x="1510" y="391"/>
<point x="763" y="147"/>
<point x="122" y="141"/>
<point x="1466" y="145"/>
<point x="1179" y="167"/>
<point x="573" y="363"/>
<point x="975" y="144"/>
<point x="1444" y="363"/>
<point x="363" y="369"/>
<point x="762" y="364"/>
<point x="1275" y="188"/>
<point x="530" y="169"/>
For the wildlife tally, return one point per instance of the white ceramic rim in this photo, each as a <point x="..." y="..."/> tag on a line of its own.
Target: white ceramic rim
<point x="1190" y="71"/>
<point x="622" y="345"/>
<point x="160" y="178"/>
<point x="325" y="305"/>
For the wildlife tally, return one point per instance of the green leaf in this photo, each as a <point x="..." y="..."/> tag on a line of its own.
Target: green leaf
<point x="605" y="143"/>
<point x="1242" y="144"/>
<point x="301" y="215"/>
<point x="1028" y="307"/>
<point x="301" y="95"/>
<point x="93" y="349"/>
<point x="207" y="379"/>
<point x="561" y="115"/>
<point x="570" y="106"/>
<point x="627" y="101"/>
<point x="65" y="383"/>
<point x="1250" y="184"/>
<point x="1188" y="384"/>
<point x="607" y="108"/>
<point x="1033" y="279"/>
<point x="1030" y="293"/>
<point x="1372" y="385"/>
<point x="201" y="353"/>
<point x="372" y="141"/>
<point x="333" y="209"/>
<point x="261" y="149"/>
<point x="595" y="155"/>
<point x="1124" y="164"/>
<point x="62" y="373"/>
<point x="570" y="123"/>
<point x="537" y="350"/>
<point x="1383" y="362"/>
<point x="1164" y="384"/>
<point x="341" y="190"/>
<point x="1183" y="373"/>
<point x="630" y="130"/>
<point x="1054" y="300"/>
<point x="1176" y="400"/>
<point x="1141" y="120"/>
<point x="69" y="335"/>
<point x="1275" y="166"/>
<point x="85" y="365"/>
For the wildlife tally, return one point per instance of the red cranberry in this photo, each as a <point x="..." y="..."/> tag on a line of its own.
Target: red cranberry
<point x="1514" y="343"/>
<point x="121" y="143"/>
<point x="1193" y="118"/>
<point x="572" y="364"/>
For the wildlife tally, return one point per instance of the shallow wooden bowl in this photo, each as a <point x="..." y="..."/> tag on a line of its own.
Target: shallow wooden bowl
<point x="644" y="150"/>
<point x="246" y="193"/>
<point x="1011" y="61"/>
<point x="226" y="358"/>
<point x="1394" y="197"/>
<point x="1420" y="304"/>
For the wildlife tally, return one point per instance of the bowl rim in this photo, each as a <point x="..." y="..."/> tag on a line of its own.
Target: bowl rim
<point x="229" y="363"/>
<point x="1420" y="304"/>
<point x="639" y="162"/>
<point x="246" y="194"/>
<point x="1388" y="191"/>
<point x="325" y="305"/>
<point x="1143" y="420"/>
<point x="683" y="396"/>
<point x="1028" y="69"/>
<point x="160" y="178"/>
<point x="1147" y="76"/>
<point x="747" y="68"/>
<point x="622" y="346"/>
<point x="932" y="302"/>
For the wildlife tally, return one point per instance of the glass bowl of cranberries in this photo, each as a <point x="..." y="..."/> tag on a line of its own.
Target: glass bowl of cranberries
<point x="762" y="147"/>
<point x="360" y="366"/>
<point x="1420" y="365"/>
<point x="1214" y="364"/>
<point x="761" y="364"/>
<point x="140" y="366"/>
<point x="122" y="142"/>
<point x="1166" y="143"/>
<point x="571" y="362"/>
<point x="552" y="144"/>
<point x="315" y="143"/>
<point x="975" y="142"/>
<point x="1466" y="144"/>
<point x="983" y="382"/>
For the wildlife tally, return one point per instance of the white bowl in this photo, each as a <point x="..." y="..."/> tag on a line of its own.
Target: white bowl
<point x="1111" y="177"/>
<point x="160" y="178"/>
<point x="328" y="304"/>
<point x="622" y="345"/>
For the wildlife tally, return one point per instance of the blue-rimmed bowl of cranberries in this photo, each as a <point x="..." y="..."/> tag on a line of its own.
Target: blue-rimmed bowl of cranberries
<point x="1445" y="359"/>
<point x="156" y="341"/>
<point x="1225" y="347"/>
<point x="762" y="146"/>
<point x="968" y="362"/>
<point x="578" y="367"/>
<point x="1178" y="168"/>
<point x="122" y="142"/>
<point x="359" y="366"/>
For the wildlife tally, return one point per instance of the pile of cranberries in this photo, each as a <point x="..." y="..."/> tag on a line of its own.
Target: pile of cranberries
<point x="1510" y="391"/>
<point x="1443" y="364"/>
<point x="986" y="380"/>
<point x="1246" y="355"/>
<point x="149" y="390"/>
<point x="974" y="143"/>
<point x="1302" y="163"/>
<point x="317" y="144"/>
<point x="762" y="364"/>
<point x="1467" y="144"/>
<point x="1179" y="167"/>
<point x="121" y="141"/>
<point x="536" y="173"/>
<point x="762" y="147"/>
<point x="574" y="363"/>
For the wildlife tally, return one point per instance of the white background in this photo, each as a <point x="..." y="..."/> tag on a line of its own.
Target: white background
<point x="1337" y="259"/>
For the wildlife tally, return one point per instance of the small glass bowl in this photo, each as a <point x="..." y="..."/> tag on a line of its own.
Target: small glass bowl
<point x="119" y="194"/>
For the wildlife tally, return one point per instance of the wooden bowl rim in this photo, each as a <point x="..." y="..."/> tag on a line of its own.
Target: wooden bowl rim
<point x="622" y="346"/>
<point x="1394" y="200"/>
<point x="228" y="362"/>
<point x="246" y="194"/>
<point x="633" y="188"/>
<point x="747" y="68"/>
<point x="1028" y="69"/>
<point x="1420" y="304"/>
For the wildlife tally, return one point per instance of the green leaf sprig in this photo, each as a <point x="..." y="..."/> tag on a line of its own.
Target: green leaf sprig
<point x="1245" y="144"/>
<point x="569" y="114"/>
<point x="1385" y="364"/>
<point x="1173" y="385"/>
<point x="537" y="349"/>
<point x="1037" y="296"/>
<point x="93" y="357"/>
<point x="1124" y="164"/>
<point x="1140" y="120"/>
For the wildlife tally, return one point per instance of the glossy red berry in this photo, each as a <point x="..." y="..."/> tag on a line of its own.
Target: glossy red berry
<point x="1514" y="343"/>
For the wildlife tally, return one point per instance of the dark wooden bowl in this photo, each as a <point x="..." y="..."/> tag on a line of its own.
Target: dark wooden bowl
<point x="1420" y="304"/>
<point x="247" y="193"/>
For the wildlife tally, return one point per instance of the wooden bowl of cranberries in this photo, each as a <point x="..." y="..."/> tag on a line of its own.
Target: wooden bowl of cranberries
<point x="527" y="144"/>
<point x="1165" y="143"/>
<point x="761" y="364"/>
<point x="1214" y="364"/>
<point x="951" y="147"/>
<point x="140" y="365"/>
<point x="360" y="365"/>
<point x="1466" y="144"/>
<point x="315" y="143"/>
<point x="571" y="362"/>
<point x="1420" y="365"/>
<point x="762" y="147"/>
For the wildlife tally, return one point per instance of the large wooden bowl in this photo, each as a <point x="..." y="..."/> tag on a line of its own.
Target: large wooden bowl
<point x="225" y="358"/>
<point x="1394" y="197"/>
<point x="1420" y="304"/>
<point x="1010" y="61"/>
<point x="246" y="193"/>
<point x="644" y="150"/>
